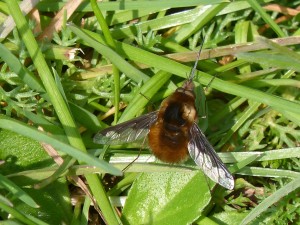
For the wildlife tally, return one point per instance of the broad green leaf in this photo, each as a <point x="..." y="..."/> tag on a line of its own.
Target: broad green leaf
<point x="166" y="198"/>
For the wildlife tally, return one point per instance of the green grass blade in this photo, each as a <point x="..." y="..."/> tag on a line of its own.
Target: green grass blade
<point x="17" y="191"/>
<point x="269" y="59"/>
<point x="15" y="65"/>
<point x="284" y="153"/>
<point x="111" y="43"/>
<point x="130" y="5"/>
<point x="267" y="172"/>
<point x="207" y="13"/>
<point x="256" y="6"/>
<point x="25" y="219"/>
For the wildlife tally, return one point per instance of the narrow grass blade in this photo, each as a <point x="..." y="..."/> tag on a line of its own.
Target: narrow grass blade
<point x="17" y="191"/>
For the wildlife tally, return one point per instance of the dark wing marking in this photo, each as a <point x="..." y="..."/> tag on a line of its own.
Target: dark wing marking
<point x="205" y="156"/>
<point x="126" y="132"/>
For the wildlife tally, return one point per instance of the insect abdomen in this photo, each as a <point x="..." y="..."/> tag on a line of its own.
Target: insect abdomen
<point x="169" y="136"/>
<point x="166" y="146"/>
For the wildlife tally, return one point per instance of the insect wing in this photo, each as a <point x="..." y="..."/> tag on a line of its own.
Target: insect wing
<point x="205" y="156"/>
<point x="126" y="132"/>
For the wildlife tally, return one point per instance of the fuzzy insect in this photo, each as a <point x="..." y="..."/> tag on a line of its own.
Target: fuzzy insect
<point x="173" y="134"/>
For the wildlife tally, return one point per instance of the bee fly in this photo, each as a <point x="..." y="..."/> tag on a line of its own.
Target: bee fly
<point x="173" y="134"/>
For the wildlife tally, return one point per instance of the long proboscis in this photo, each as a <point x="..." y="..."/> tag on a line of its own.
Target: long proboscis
<point x="192" y="75"/>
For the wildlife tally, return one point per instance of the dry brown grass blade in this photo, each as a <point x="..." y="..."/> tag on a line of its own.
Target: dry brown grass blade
<point x="26" y="6"/>
<point x="57" y="22"/>
<point x="205" y="54"/>
<point x="282" y="9"/>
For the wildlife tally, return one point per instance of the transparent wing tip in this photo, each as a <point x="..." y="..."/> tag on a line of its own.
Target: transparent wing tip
<point x="227" y="182"/>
